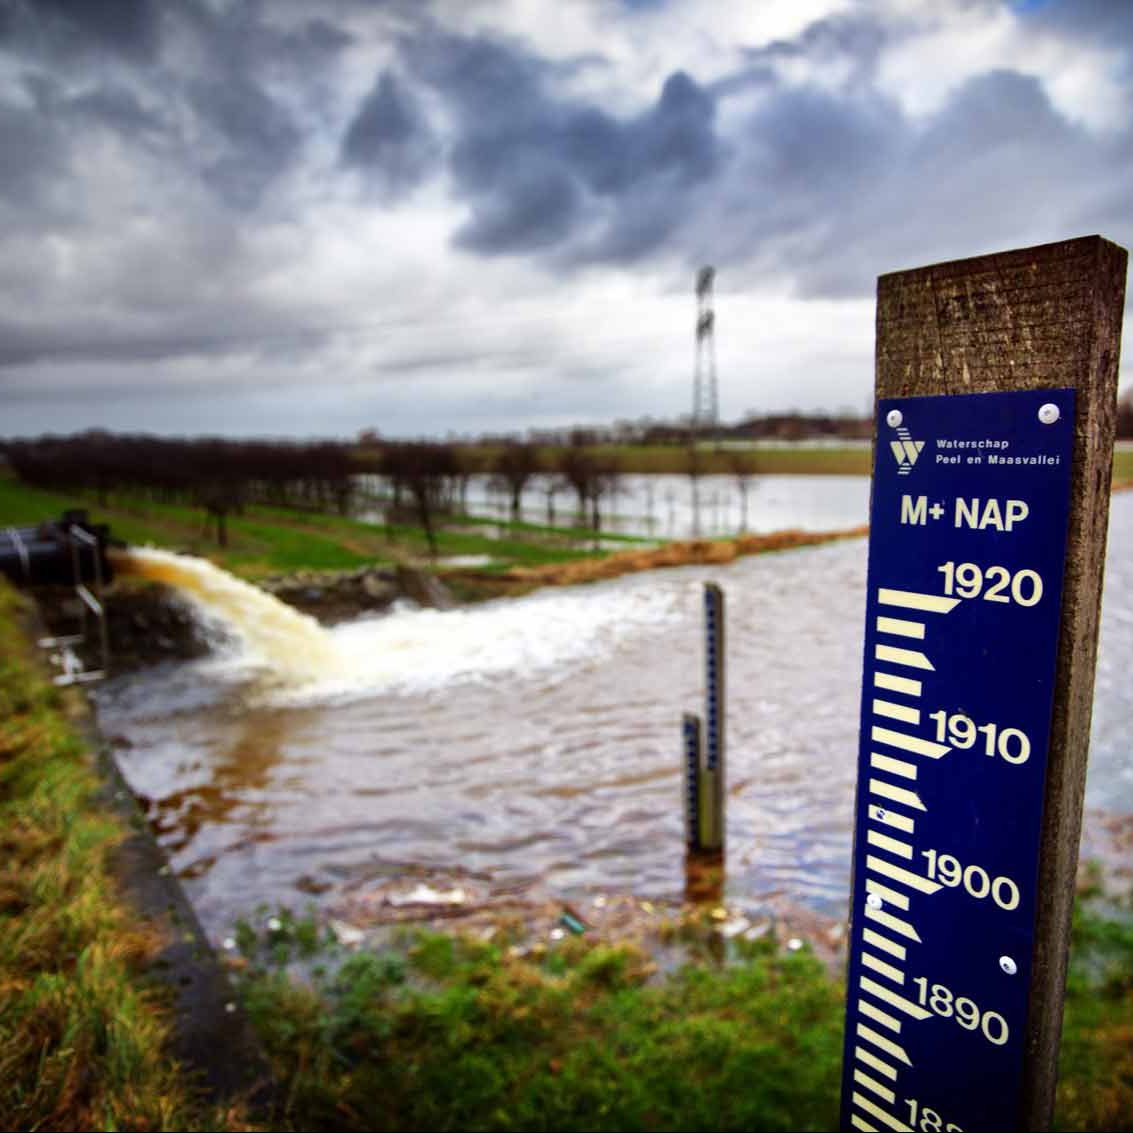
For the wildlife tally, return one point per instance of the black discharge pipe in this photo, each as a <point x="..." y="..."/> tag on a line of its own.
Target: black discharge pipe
<point x="62" y="552"/>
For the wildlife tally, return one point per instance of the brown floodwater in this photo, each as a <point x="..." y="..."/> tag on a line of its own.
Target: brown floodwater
<point x="532" y="745"/>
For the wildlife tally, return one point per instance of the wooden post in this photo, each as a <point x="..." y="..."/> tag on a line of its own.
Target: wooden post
<point x="1038" y="318"/>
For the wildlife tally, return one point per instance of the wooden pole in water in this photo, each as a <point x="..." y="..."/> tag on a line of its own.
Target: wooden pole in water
<point x="1037" y="318"/>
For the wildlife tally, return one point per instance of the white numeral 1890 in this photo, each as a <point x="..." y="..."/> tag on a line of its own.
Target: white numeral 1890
<point x="930" y="1120"/>
<point x="965" y="1011"/>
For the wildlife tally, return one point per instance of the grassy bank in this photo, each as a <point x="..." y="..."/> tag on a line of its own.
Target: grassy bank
<point x="82" y="1043"/>
<point x="448" y="1033"/>
<point x="453" y="1033"/>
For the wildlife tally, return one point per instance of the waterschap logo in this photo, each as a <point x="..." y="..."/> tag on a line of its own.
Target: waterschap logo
<point x="906" y="451"/>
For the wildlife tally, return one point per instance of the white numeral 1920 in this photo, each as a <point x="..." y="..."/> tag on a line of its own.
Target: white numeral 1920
<point x="940" y="999"/>
<point x="993" y="584"/>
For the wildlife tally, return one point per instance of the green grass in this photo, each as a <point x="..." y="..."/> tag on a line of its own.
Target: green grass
<point x="455" y="1034"/>
<point x="447" y="1032"/>
<point x="1096" y="1066"/>
<point x="82" y="1042"/>
<point x="272" y="540"/>
<point x="1123" y="465"/>
<point x="760" y="460"/>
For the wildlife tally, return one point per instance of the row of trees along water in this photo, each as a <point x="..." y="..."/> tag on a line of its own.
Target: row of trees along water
<point x="421" y="480"/>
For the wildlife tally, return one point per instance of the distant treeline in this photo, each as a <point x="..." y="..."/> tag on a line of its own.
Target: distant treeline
<point x="221" y="476"/>
<point x="791" y="426"/>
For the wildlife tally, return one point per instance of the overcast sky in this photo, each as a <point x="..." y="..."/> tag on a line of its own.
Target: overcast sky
<point x="312" y="218"/>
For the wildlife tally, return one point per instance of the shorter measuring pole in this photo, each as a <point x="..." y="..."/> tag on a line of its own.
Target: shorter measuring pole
<point x="690" y="734"/>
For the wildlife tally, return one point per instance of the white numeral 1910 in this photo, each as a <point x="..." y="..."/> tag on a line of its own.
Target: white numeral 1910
<point x="958" y="730"/>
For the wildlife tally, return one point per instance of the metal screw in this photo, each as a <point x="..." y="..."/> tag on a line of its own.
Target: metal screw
<point x="881" y="812"/>
<point x="873" y="900"/>
<point x="1049" y="413"/>
<point x="1008" y="965"/>
<point x="894" y="417"/>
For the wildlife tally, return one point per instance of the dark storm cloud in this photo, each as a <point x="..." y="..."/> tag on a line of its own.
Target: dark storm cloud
<point x="128" y="28"/>
<point x="836" y="190"/>
<point x="1104" y="21"/>
<point x="31" y="156"/>
<point x="389" y="137"/>
<point x="559" y="173"/>
<point x="258" y="137"/>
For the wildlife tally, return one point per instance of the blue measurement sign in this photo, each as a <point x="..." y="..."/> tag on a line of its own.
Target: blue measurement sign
<point x="968" y="527"/>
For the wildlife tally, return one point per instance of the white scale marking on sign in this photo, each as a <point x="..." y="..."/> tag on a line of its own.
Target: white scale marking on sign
<point x="911" y="600"/>
<point x="904" y="876"/>
<point x="880" y="966"/>
<point x="874" y="1063"/>
<point x="893" y="845"/>
<point x="876" y="1111"/>
<point x="911" y="658"/>
<point x="894" y="683"/>
<point x="891" y="818"/>
<point x="874" y="1086"/>
<point x="896" y="711"/>
<point x="887" y="894"/>
<point x="894" y="924"/>
<point x="896" y="794"/>
<point x="882" y="1043"/>
<point x="859" y="1122"/>
<point x="909" y="743"/>
<point x="900" y="767"/>
<point x="886" y="995"/>
<point x="884" y="943"/>
<point x="900" y="627"/>
<point x="872" y="1011"/>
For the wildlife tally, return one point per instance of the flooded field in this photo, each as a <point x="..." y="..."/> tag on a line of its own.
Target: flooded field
<point x="672" y="507"/>
<point x="532" y="745"/>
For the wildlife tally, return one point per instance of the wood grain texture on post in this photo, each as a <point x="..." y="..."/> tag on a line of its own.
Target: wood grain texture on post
<point x="1033" y="318"/>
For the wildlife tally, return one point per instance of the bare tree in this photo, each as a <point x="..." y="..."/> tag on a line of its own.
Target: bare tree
<point x="743" y="470"/>
<point x="695" y="467"/>
<point x="424" y="469"/>
<point x="515" y="464"/>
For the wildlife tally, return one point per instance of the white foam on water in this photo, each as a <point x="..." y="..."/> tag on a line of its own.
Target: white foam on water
<point x="545" y="635"/>
<point x="295" y="661"/>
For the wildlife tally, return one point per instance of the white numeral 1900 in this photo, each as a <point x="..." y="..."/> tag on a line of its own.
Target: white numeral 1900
<point x="976" y="881"/>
